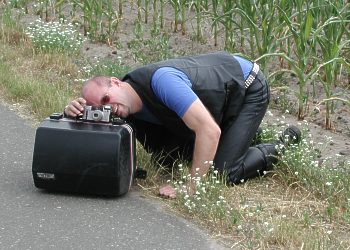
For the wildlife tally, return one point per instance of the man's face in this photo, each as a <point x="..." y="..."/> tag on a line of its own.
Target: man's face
<point x="115" y="96"/>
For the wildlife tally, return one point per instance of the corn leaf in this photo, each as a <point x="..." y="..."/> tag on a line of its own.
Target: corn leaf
<point x="308" y="25"/>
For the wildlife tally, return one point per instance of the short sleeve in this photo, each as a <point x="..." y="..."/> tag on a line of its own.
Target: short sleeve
<point x="173" y="88"/>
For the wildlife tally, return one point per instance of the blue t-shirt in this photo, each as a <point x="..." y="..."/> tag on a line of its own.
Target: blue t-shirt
<point x="174" y="89"/>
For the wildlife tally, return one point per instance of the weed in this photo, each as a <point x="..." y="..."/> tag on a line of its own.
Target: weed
<point x="106" y="67"/>
<point x="10" y="30"/>
<point x="55" y="37"/>
<point x="150" y="50"/>
<point x="209" y="198"/>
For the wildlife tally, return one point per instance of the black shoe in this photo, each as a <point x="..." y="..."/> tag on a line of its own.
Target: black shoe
<point x="269" y="154"/>
<point x="292" y="135"/>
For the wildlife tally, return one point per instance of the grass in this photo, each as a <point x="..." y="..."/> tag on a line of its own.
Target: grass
<point x="43" y="98"/>
<point x="302" y="204"/>
<point x="40" y="80"/>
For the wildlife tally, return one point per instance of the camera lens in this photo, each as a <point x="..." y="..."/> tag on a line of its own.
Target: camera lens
<point x="97" y="115"/>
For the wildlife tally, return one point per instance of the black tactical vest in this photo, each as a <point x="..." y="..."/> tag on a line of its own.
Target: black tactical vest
<point x="216" y="78"/>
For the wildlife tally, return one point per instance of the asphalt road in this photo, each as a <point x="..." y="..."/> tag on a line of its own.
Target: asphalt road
<point x="34" y="219"/>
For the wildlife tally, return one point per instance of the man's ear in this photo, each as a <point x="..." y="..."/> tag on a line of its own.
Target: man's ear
<point x="116" y="81"/>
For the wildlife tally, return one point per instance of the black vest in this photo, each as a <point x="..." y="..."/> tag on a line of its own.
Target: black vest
<point x="216" y="78"/>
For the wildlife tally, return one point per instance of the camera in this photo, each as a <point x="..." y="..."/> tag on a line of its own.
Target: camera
<point x="97" y="114"/>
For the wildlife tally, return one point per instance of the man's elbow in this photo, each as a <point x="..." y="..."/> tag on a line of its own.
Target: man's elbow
<point x="215" y="133"/>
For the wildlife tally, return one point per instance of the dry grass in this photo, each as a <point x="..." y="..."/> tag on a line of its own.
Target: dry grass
<point x="269" y="215"/>
<point x="29" y="78"/>
<point x="265" y="213"/>
<point x="280" y="216"/>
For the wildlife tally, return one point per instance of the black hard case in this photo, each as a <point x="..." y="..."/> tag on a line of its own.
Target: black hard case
<point x="84" y="157"/>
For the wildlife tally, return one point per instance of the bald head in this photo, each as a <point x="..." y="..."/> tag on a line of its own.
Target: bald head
<point x="95" y="88"/>
<point x="96" y="82"/>
<point x="103" y="90"/>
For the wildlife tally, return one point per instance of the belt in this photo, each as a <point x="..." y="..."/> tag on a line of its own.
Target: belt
<point x="252" y="75"/>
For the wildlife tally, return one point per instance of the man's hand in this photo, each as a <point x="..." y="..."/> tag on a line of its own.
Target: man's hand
<point x="170" y="192"/>
<point x="75" y="108"/>
<point x="167" y="192"/>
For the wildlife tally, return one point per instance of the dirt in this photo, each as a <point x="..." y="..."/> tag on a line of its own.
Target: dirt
<point x="184" y="45"/>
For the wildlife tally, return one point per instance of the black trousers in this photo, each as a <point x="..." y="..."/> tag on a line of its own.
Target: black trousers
<point x="234" y="155"/>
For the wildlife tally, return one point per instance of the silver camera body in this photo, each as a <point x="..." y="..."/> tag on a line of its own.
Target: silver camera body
<point x="97" y="114"/>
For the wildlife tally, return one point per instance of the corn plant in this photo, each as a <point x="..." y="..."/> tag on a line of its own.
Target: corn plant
<point x="96" y="19"/>
<point x="285" y="44"/>
<point x="120" y="7"/>
<point x="247" y="11"/>
<point x="179" y="7"/>
<point x="300" y="28"/>
<point x="264" y="28"/>
<point x="98" y="16"/>
<point x="176" y="7"/>
<point x="155" y="17"/>
<point x="329" y="36"/>
<point x="48" y="6"/>
<point x="139" y="11"/>
<point x="198" y="7"/>
<point x="161" y="13"/>
<point x="113" y="19"/>
<point x="39" y="10"/>
<point x="146" y="10"/>
<point x="46" y="9"/>
<point x="214" y="15"/>
<point x="183" y="16"/>
<point x="226" y="19"/>
<point x="86" y="8"/>
<point x="57" y="9"/>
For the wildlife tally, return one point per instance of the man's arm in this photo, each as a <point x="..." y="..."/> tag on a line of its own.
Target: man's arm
<point x="207" y="132"/>
<point x="198" y="119"/>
